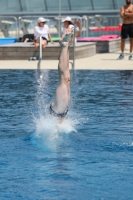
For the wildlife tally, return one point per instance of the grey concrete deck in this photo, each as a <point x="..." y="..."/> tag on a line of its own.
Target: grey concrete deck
<point x="22" y="51"/>
<point x="105" y="61"/>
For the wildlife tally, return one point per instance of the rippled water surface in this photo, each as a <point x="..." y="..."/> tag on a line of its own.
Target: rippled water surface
<point x="89" y="157"/>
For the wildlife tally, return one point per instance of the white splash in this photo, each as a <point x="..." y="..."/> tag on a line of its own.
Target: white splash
<point x="50" y="131"/>
<point x="132" y="144"/>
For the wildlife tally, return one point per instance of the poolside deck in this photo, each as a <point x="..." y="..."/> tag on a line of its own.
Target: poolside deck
<point x="22" y="51"/>
<point x="105" y="61"/>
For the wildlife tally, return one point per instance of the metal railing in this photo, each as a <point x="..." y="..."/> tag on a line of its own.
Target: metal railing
<point x="92" y="26"/>
<point x="73" y="60"/>
<point x="8" y="26"/>
<point x="104" y="25"/>
<point x="40" y="53"/>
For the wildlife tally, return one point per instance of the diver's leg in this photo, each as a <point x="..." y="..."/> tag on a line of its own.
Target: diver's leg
<point x="69" y="78"/>
<point x="62" y="99"/>
<point x="63" y="61"/>
<point x="62" y="96"/>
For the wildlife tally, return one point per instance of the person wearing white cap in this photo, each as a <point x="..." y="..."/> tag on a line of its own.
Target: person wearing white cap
<point x="59" y="107"/>
<point x="67" y="22"/>
<point x="42" y="29"/>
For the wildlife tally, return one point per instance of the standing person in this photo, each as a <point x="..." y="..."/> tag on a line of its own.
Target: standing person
<point x="126" y="13"/>
<point x="42" y="30"/>
<point x="59" y="107"/>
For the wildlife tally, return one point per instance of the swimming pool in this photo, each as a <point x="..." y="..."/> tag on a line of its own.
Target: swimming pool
<point x="90" y="158"/>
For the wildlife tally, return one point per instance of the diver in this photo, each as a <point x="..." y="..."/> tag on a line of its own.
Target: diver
<point x="59" y="107"/>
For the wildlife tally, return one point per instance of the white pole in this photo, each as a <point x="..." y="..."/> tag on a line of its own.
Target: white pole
<point x="73" y="62"/>
<point x="40" y="53"/>
<point x="73" y="66"/>
<point x="59" y="1"/>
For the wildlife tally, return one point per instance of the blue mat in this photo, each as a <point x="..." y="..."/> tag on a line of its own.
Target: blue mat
<point x="7" y="40"/>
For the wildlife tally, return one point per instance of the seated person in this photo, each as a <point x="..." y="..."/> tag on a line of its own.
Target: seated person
<point x="42" y="30"/>
<point x="66" y="24"/>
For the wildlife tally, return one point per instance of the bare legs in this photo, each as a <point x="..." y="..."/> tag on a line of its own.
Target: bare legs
<point x="62" y="96"/>
<point x="44" y="43"/>
<point x="123" y="48"/>
<point x="131" y="45"/>
<point x="122" y="45"/>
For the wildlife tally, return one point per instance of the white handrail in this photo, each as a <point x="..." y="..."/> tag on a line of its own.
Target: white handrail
<point x="73" y="60"/>
<point x="73" y="66"/>
<point x="7" y="22"/>
<point x="40" y="53"/>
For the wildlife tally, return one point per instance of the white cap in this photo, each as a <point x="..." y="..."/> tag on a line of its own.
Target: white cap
<point x="41" y="19"/>
<point x="67" y="19"/>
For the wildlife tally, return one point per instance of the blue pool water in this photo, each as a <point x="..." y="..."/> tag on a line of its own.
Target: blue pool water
<point x="89" y="157"/>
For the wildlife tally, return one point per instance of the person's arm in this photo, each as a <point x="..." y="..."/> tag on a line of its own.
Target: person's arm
<point x="126" y="14"/>
<point x="34" y="40"/>
<point x="122" y="13"/>
<point x="63" y="33"/>
<point x="62" y="36"/>
<point x="80" y="29"/>
<point x="49" y="36"/>
<point x="129" y="13"/>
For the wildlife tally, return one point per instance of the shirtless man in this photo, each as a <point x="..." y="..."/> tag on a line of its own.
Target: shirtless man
<point x="126" y="13"/>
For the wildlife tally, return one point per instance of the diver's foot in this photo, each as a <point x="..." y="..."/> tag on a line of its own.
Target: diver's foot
<point x="62" y="120"/>
<point x="63" y="44"/>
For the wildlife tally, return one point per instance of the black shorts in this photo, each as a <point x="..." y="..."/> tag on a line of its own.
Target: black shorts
<point x="127" y="31"/>
<point x="45" y="39"/>
<point x="61" y="115"/>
